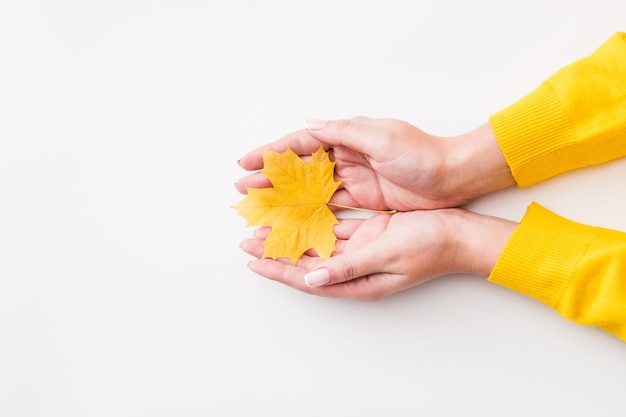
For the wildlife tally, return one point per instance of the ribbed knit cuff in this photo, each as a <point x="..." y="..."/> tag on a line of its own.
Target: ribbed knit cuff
<point x="533" y="135"/>
<point x="540" y="258"/>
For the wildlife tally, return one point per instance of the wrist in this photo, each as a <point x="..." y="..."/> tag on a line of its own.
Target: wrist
<point x="479" y="241"/>
<point x="476" y="165"/>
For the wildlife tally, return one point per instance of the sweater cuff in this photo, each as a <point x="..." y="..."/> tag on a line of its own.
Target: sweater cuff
<point x="541" y="256"/>
<point x="533" y="134"/>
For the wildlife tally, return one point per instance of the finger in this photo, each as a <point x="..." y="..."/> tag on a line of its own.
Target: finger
<point x="256" y="180"/>
<point x="346" y="228"/>
<point x="293" y="276"/>
<point x="278" y="271"/>
<point x="262" y="232"/>
<point x="285" y="273"/>
<point x="360" y="134"/>
<point x="300" y="142"/>
<point x="345" y="267"/>
<point x="253" y="246"/>
<point x="370" y="288"/>
<point x="310" y="259"/>
<point x="344" y="198"/>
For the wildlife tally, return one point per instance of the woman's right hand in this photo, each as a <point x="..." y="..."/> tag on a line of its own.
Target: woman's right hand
<point x="386" y="253"/>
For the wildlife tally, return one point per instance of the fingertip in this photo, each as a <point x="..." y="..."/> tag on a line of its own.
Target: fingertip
<point x="346" y="228"/>
<point x="253" y="246"/>
<point x="251" y="161"/>
<point x="262" y="232"/>
<point x="241" y="188"/>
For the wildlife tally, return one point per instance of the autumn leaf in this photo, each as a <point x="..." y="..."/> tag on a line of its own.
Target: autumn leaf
<point x="296" y="207"/>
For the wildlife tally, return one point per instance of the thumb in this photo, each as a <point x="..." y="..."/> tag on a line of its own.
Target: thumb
<point x="344" y="267"/>
<point x="360" y="134"/>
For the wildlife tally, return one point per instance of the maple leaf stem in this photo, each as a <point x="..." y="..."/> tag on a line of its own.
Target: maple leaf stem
<point x="363" y="209"/>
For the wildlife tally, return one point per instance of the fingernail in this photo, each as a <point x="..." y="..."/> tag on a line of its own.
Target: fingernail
<point x="314" y="124"/>
<point x="317" y="278"/>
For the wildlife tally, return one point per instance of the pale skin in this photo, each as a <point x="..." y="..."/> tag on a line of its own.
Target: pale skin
<point x="387" y="164"/>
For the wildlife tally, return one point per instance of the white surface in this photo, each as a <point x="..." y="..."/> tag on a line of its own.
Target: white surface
<point x="122" y="288"/>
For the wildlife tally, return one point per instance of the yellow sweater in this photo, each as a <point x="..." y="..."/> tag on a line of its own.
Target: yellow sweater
<point x="574" y="119"/>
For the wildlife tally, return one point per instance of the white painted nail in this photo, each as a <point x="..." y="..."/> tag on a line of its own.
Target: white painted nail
<point x="317" y="278"/>
<point x="314" y="124"/>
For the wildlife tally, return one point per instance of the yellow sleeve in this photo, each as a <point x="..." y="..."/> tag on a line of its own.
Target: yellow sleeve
<point x="578" y="270"/>
<point x="574" y="119"/>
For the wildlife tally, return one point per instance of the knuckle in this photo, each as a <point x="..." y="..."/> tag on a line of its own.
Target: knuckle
<point x="393" y="132"/>
<point x="388" y="138"/>
<point x="345" y="124"/>
<point x="349" y="270"/>
<point x="401" y="129"/>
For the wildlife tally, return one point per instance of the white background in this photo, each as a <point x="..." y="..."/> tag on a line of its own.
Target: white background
<point x="123" y="291"/>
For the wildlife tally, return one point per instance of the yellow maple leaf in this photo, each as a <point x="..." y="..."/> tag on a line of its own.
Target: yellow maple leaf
<point x="296" y="207"/>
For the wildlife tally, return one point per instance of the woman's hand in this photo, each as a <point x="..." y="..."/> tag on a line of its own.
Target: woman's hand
<point x="387" y="164"/>
<point x="384" y="254"/>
